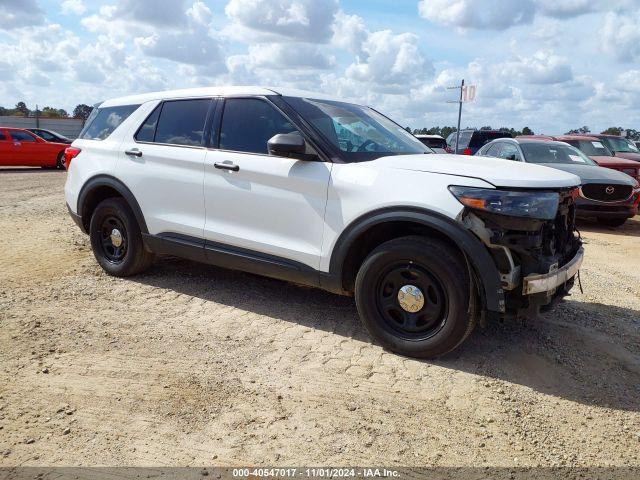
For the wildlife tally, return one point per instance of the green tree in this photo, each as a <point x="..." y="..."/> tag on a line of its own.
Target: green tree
<point x="54" y="112"/>
<point x="21" y="109"/>
<point x="582" y="130"/>
<point x="613" y="131"/>
<point x="82" y="111"/>
<point x="527" y="131"/>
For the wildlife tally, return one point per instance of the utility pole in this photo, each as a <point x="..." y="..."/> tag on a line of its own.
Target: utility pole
<point x="459" y="102"/>
<point x="467" y="94"/>
<point x="37" y="116"/>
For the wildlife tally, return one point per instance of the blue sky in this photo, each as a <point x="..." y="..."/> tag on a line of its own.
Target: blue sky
<point x="550" y="65"/>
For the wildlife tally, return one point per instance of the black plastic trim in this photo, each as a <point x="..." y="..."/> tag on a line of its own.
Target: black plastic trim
<point x="475" y="252"/>
<point x="231" y="257"/>
<point x="77" y="219"/>
<point x="117" y="185"/>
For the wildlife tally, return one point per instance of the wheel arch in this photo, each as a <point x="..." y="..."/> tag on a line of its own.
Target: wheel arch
<point x="101" y="187"/>
<point x="370" y="230"/>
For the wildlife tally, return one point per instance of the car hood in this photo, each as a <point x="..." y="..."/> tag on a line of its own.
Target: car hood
<point x="498" y="172"/>
<point x="629" y="155"/>
<point x="594" y="174"/>
<point x="604" y="161"/>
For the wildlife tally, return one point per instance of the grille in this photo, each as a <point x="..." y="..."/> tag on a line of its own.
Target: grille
<point x="606" y="193"/>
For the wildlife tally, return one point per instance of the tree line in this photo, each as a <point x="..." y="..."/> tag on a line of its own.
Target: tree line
<point x="444" y="132"/>
<point x="21" y="110"/>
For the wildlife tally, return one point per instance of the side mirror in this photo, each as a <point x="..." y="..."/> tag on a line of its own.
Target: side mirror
<point x="287" y="145"/>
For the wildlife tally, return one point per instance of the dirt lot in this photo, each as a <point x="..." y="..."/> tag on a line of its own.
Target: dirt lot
<point x="194" y="365"/>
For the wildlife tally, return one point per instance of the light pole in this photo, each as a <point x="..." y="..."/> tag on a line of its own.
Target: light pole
<point x="467" y="94"/>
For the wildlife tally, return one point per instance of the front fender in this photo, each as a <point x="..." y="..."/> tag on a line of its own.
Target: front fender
<point x="474" y="250"/>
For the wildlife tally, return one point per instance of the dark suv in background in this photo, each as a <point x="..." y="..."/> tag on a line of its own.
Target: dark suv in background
<point x="472" y="140"/>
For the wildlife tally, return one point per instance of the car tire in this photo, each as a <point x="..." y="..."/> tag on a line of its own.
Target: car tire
<point x="60" y="163"/>
<point x="612" y="222"/>
<point x="116" y="239"/>
<point x="447" y="315"/>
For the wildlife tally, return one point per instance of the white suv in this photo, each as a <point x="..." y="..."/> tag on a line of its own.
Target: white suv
<point x="320" y="192"/>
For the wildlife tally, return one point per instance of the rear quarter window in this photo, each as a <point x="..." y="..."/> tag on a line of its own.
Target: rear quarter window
<point x="105" y="121"/>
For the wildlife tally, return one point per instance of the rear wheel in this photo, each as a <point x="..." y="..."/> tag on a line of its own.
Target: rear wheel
<point x="612" y="222"/>
<point x="116" y="239"/>
<point x="60" y="163"/>
<point x="413" y="296"/>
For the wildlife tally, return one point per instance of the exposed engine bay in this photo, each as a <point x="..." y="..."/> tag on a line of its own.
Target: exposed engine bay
<point x="527" y="247"/>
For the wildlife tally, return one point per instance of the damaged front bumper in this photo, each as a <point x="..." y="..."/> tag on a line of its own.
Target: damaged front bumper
<point x="549" y="282"/>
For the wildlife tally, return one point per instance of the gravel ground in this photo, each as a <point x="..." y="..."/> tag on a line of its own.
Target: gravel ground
<point x="194" y="365"/>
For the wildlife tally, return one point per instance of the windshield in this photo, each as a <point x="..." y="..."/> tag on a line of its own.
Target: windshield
<point x="360" y="133"/>
<point x="554" y="153"/>
<point x="621" y="145"/>
<point x="595" y="147"/>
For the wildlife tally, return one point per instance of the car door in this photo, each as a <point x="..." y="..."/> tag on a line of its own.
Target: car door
<point x="6" y="149"/>
<point x="25" y="151"/>
<point x="260" y="203"/>
<point x="163" y="165"/>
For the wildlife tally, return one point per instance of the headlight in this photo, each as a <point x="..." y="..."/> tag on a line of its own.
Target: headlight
<point x="541" y="205"/>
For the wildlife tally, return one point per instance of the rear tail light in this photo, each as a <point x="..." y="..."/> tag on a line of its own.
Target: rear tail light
<point x="467" y="151"/>
<point x="69" y="154"/>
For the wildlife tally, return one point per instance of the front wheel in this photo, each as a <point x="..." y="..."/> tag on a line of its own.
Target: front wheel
<point x="413" y="296"/>
<point x="116" y="239"/>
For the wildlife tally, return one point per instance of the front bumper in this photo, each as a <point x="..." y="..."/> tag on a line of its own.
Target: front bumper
<point x="549" y="282"/>
<point x="586" y="208"/>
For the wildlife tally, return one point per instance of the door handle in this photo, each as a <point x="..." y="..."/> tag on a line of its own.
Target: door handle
<point x="227" y="166"/>
<point x="133" y="153"/>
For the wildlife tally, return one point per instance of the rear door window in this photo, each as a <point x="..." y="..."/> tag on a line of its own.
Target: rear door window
<point x="2" y="136"/>
<point x="105" y="121"/>
<point x="147" y="132"/>
<point x="182" y="122"/>
<point x="18" y="136"/>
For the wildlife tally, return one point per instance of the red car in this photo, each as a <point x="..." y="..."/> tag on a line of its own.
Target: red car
<point x="21" y="148"/>
<point x="595" y="148"/>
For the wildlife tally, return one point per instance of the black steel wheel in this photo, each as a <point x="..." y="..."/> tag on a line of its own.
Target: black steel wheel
<point x="116" y="239"/>
<point x="412" y="301"/>
<point x="414" y="296"/>
<point x="113" y="239"/>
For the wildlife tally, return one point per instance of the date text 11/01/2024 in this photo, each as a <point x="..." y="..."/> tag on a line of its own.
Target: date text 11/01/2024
<point x="315" y="472"/>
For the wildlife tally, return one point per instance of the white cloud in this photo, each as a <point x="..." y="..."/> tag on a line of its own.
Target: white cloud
<point x="76" y="7"/>
<point x="278" y="56"/>
<point x="200" y="14"/>
<point x="566" y="8"/>
<point x="478" y="14"/>
<point x="349" y="32"/>
<point x="543" y="68"/>
<point x="20" y="13"/>
<point x="390" y="63"/>
<point x="620" y="36"/>
<point x="192" y="47"/>
<point x="282" y="20"/>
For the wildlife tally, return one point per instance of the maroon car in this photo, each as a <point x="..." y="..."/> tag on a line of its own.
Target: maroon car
<point x="596" y="149"/>
<point x="619" y="146"/>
